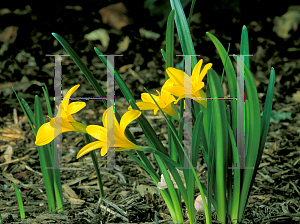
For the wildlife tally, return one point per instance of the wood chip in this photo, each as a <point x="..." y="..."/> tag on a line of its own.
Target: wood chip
<point x="69" y="191"/>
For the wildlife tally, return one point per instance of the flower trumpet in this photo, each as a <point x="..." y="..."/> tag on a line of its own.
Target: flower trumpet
<point x="47" y="132"/>
<point x="164" y="99"/>
<point x="195" y="91"/>
<point x="121" y="141"/>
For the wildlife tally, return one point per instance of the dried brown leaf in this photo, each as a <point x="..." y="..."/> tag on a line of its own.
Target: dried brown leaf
<point x="115" y="15"/>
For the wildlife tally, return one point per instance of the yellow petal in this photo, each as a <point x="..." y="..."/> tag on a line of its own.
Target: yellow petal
<point x="171" y="110"/>
<point x="158" y="94"/>
<point x="75" y="107"/>
<point x="167" y="97"/>
<point x="45" y="134"/>
<point x="90" y="147"/>
<point x="180" y="97"/>
<point x="123" y="142"/>
<point x="63" y="113"/>
<point x="65" y="102"/>
<point x="199" y="86"/>
<point x="60" y="112"/>
<point x="68" y="127"/>
<point x="176" y="75"/>
<point x="70" y="118"/>
<point x="167" y="83"/>
<point x="196" y="71"/>
<point x="204" y="71"/>
<point x="128" y="117"/>
<point x="104" y="119"/>
<point x="147" y="98"/>
<point x="201" y="94"/>
<point x="97" y="132"/>
<point x="103" y="150"/>
<point x="146" y="105"/>
<point x="63" y="123"/>
<point x="176" y="90"/>
<point x="120" y="140"/>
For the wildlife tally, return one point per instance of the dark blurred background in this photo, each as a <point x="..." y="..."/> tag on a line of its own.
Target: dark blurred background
<point x="23" y="48"/>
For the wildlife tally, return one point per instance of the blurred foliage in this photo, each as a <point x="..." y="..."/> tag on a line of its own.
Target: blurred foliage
<point x="161" y="9"/>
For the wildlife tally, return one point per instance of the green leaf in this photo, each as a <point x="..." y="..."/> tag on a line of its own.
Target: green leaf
<point x="254" y="117"/>
<point x="174" y="171"/>
<point x="170" y="41"/>
<point x="245" y="45"/>
<point x="219" y="130"/>
<point x="252" y="148"/>
<point x="47" y="100"/>
<point x="163" y="53"/>
<point x="169" y="63"/>
<point x="20" y="202"/>
<point x="263" y="136"/>
<point x="185" y="38"/>
<point x="87" y="73"/>
<point x="191" y="12"/>
<point x="27" y="111"/>
<point x="160" y="9"/>
<point x="231" y="76"/>
<point x="268" y="108"/>
<point x="44" y="156"/>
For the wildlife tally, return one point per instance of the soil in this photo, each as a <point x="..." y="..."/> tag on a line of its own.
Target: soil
<point x="26" y="40"/>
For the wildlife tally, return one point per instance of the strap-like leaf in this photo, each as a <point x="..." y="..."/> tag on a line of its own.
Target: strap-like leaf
<point x="219" y="131"/>
<point x="245" y="45"/>
<point x="87" y="73"/>
<point x="183" y="31"/>
<point x="231" y="77"/>
<point x="20" y="202"/>
<point x="44" y="156"/>
<point x="27" y="111"/>
<point x="263" y="135"/>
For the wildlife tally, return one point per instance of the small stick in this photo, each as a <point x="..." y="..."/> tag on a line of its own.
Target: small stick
<point x="114" y="213"/>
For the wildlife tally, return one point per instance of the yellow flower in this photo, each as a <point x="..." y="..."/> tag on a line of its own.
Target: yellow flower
<point x="177" y="77"/>
<point x="100" y="133"/>
<point x="47" y="132"/>
<point x="164" y="100"/>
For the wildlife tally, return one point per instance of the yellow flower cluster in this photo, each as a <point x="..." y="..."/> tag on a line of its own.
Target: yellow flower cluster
<point x="174" y="86"/>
